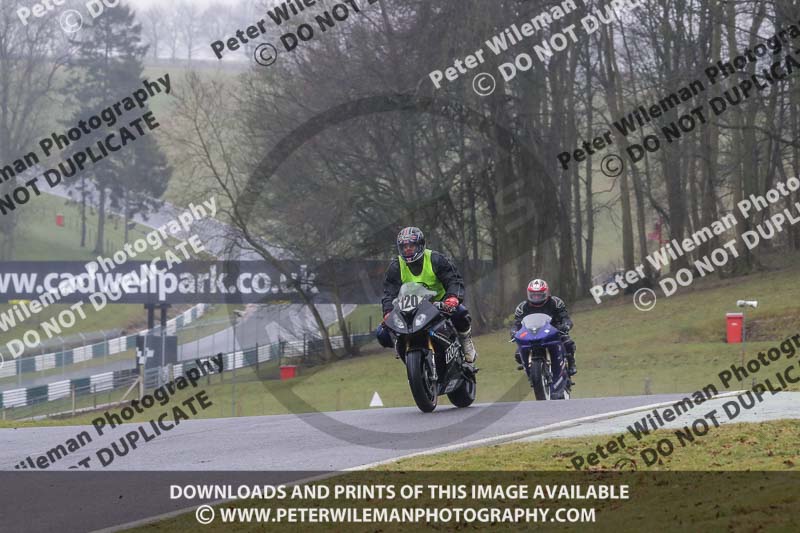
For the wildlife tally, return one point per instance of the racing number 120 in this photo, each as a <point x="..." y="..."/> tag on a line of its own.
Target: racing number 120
<point x="410" y="300"/>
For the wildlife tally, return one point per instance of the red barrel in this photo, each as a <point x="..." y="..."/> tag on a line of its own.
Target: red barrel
<point x="735" y="327"/>
<point x="60" y="221"/>
<point x="288" y="372"/>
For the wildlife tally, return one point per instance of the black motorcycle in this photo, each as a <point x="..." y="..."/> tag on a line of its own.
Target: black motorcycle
<point x="427" y="342"/>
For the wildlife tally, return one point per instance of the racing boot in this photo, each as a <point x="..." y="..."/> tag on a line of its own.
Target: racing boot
<point x="518" y="359"/>
<point x="470" y="354"/>
<point x="571" y="368"/>
<point x="569" y="346"/>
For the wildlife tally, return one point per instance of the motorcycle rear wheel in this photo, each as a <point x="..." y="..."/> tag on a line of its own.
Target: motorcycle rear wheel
<point x="423" y="388"/>
<point x="538" y="379"/>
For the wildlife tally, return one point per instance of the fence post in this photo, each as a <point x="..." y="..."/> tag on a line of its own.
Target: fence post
<point x="63" y="354"/>
<point x="647" y="389"/>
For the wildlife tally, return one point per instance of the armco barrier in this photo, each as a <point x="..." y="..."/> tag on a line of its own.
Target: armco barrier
<point x="99" y="350"/>
<point x="108" y="381"/>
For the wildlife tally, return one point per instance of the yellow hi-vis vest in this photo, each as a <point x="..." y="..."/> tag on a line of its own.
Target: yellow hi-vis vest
<point x="427" y="277"/>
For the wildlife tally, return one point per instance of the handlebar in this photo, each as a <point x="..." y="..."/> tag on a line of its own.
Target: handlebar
<point x="444" y="308"/>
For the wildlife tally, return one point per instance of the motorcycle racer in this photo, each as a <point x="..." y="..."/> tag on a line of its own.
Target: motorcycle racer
<point x="434" y="270"/>
<point x="541" y="301"/>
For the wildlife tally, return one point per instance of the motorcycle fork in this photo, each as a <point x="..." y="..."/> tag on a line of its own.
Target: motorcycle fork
<point x="558" y="354"/>
<point x="397" y="349"/>
<point x="545" y="358"/>
<point x="532" y="357"/>
<point x="432" y="360"/>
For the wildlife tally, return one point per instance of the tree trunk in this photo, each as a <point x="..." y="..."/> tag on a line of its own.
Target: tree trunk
<point x="101" y="221"/>
<point x="344" y="331"/>
<point x="127" y="218"/>
<point x="587" y="269"/>
<point x="83" y="212"/>
<point x="614" y="100"/>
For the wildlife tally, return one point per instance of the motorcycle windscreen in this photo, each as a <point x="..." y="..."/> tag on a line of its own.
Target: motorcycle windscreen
<point x="411" y="295"/>
<point x="538" y="326"/>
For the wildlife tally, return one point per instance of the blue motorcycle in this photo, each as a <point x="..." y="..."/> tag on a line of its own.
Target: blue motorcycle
<point x="543" y="357"/>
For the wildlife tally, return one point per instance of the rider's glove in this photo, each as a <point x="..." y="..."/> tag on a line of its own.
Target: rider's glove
<point x="451" y="302"/>
<point x="386" y="315"/>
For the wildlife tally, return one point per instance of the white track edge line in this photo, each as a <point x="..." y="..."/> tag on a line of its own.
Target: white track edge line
<point x="510" y="437"/>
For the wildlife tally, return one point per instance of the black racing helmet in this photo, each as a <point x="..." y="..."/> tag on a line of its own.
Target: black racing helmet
<point x="411" y="244"/>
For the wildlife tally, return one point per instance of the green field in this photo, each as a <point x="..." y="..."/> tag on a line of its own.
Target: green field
<point x="363" y="319"/>
<point x="39" y="239"/>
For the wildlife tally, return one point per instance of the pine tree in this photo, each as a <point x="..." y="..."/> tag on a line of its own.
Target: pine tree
<point x="107" y="68"/>
<point x="143" y="180"/>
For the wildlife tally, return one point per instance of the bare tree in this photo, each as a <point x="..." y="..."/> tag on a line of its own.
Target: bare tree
<point x="31" y="57"/>
<point x="189" y="27"/>
<point x="207" y="130"/>
<point x="155" y="27"/>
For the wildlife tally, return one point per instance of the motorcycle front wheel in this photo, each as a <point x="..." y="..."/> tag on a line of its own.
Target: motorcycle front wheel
<point x="464" y="395"/>
<point x="423" y="386"/>
<point x="538" y="378"/>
